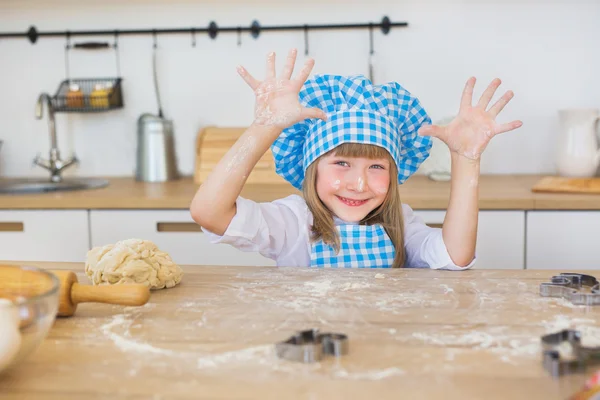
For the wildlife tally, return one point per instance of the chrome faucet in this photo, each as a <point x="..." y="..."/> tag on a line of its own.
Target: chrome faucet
<point x="54" y="164"/>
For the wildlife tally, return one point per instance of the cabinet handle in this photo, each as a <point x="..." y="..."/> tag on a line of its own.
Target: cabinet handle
<point x="177" y="227"/>
<point x="435" y="225"/>
<point x="11" y="227"/>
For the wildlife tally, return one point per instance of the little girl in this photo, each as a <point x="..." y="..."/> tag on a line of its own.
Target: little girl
<point x="348" y="145"/>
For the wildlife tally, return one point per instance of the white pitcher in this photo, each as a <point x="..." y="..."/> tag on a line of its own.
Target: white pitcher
<point x="578" y="153"/>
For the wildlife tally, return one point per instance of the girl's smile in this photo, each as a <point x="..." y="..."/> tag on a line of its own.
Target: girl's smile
<point x="351" y="202"/>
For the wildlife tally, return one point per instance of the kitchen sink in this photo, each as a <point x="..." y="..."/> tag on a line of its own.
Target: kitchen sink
<point x="42" y="185"/>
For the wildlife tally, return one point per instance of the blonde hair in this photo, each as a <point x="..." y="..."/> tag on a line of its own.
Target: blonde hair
<point x="388" y="214"/>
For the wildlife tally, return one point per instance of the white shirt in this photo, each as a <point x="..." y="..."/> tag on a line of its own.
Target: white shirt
<point x="280" y="230"/>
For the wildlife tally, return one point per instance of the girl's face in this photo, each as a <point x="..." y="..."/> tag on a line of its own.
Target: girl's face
<point x="352" y="187"/>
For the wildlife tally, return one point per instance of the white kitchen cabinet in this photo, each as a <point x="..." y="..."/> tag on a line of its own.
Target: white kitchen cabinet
<point x="500" y="241"/>
<point x="500" y="237"/>
<point x="564" y="240"/>
<point x="44" y="235"/>
<point x="172" y="231"/>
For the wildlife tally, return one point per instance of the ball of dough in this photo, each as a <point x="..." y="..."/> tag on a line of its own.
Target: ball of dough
<point x="10" y="335"/>
<point x="132" y="261"/>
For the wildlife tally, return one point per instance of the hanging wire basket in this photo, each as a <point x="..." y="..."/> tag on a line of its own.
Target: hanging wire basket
<point x="87" y="95"/>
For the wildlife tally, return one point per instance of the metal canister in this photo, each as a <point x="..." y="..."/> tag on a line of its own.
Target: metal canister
<point x="156" y="159"/>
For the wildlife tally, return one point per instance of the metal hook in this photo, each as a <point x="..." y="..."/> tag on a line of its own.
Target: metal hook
<point x="239" y="36"/>
<point x="371" y="49"/>
<point x="67" y="48"/>
<point x="154" y="38"/>
<point x="371" y="53"/>
<point x="68" y="36"/>
<point x="305" y="40"/>
<point x="193" y="37"/>
<point x="116" y="47"/>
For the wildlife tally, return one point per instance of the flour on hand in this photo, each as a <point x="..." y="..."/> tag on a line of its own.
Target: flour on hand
<point x="132" y="261"/>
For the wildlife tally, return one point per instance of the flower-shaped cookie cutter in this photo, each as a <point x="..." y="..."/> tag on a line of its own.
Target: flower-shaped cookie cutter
<point x="569" y="285"/>
<point x="311" y="346"/>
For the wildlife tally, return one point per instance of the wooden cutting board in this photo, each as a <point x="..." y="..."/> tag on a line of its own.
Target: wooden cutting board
<point x="211" y="145"/>
<point x="559" y="184"/>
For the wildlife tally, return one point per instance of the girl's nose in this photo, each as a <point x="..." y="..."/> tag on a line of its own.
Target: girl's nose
<point x="357" y="182"/>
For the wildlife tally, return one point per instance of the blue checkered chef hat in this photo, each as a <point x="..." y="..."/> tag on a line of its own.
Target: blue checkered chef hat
<point x="357" y="112"/>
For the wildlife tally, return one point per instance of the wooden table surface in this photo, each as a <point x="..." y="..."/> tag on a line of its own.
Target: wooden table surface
<point x="413" y="334"/>
<point x="497" y="192"/>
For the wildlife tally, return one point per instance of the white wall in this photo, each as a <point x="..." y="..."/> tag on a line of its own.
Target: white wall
<point x="546" y="51"/>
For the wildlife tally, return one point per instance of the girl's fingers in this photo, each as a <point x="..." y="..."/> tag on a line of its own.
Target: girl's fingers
<point x="288" y="69"/>
<point x="486" y="97"/>
<point x="305" y="72"/>
<point x="271" y="65"/>
<point x="314" y="113"/>
<point x="467" y="96"/>
<point x="509" y="126"/>
<point x="499" y="105"/>
<point x="253" y="83"/>
<point x="431" y="130"/>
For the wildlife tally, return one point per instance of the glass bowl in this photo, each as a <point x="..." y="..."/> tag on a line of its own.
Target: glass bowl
<point x="28" y="307"/>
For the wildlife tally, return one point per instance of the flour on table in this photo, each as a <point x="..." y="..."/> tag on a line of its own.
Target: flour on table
<point x="354" y="286"/>
<point x="590" y="334"/>
<point x="447" y="289"/>
<point x="255" y="362"/>
<point x="498" y="340"/>
<point x="125" y="343"/>
<point x="369" y="375"/>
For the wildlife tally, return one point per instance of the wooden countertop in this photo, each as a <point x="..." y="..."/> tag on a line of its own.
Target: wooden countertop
<point x="498" y="192"/>
<point x="412" y="333"/>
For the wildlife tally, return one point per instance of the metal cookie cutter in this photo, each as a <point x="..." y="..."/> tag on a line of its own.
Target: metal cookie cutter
<point x="310" y="346"/>
<point x="567" y="285"/>
<point x="581" y="356"/>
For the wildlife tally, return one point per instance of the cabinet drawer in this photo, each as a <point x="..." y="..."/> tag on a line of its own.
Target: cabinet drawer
<point x="565" y="240"/>
<point x="40" y="235"/>
<point x="172" y="231"/>
<point x="500" y="237"/>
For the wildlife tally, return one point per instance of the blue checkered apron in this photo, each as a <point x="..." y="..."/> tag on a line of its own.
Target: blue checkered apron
<point x="361" y="246"/>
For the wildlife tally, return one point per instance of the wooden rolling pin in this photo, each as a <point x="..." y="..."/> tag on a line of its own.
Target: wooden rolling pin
<point x="72" y="293"/>
<point x="28" y="283"/>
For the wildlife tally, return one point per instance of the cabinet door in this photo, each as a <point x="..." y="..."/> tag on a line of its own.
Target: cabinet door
<point x="172" y="231"/>
<point x="500" y="237"/>
<point x="565" y="240"/>
<point x="44" y="235"/>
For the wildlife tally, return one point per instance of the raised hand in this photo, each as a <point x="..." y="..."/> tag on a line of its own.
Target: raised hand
<point x="470" y="132"/>
<point x="277" y="101"/>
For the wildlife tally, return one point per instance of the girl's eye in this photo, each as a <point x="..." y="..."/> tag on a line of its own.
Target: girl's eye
<point x="377" y="166"/>
<point x="342" y="163"/>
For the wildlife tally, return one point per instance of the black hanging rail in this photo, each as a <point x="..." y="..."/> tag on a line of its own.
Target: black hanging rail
<point x="213" y="30"/>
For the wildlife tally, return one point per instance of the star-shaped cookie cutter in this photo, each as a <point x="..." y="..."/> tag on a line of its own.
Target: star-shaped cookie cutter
<point x="581" y="356"/>
<point x="311" y="346"/>
<point x="568" y="286"/>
